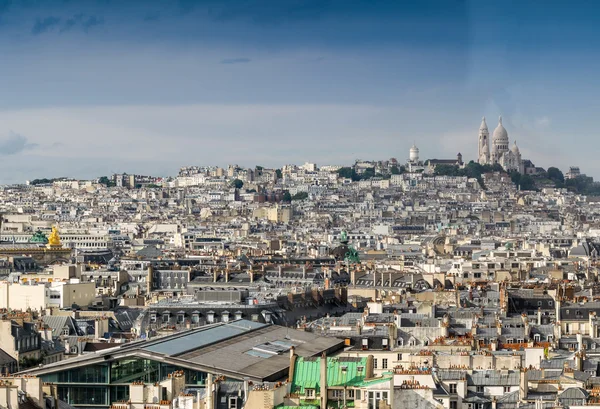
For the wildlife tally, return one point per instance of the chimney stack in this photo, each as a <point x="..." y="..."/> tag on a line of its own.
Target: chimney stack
<point x="323" y="385"/>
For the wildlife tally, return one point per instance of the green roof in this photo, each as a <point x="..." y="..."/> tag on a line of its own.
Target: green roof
<point x="307" y="373"/>
<point x="296" y="407"/>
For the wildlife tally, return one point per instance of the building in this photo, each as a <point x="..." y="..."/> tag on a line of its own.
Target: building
<point x="573" y="173"/>
<point x="237" y="350"/>
<point x="509" y="159"/>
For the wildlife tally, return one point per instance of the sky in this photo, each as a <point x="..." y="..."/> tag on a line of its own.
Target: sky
<point x="94" y="87"/>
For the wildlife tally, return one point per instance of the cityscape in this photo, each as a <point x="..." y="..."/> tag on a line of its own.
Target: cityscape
<point x="433" y="283"/>
<point x="299" y="204"/>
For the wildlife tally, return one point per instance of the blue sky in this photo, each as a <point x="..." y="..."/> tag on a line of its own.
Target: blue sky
<point x="93" y="87"/>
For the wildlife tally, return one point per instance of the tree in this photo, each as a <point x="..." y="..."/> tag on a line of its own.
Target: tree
<point x="346" y="172"/>
<point x="104" y="180"/>
<point x="287" y="197"/>
<point x="526" y="182"/>
<point x="300" y="196"/>
<point x="41" y="181"/>
<point x="555" y="175"/>
<point x="278" y="173"/>
<point x="237" y="183"/>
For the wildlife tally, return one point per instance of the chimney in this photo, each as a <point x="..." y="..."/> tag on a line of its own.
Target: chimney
<point x="304" y="272"/>
<point x="578" y="361"/>
<point x="323" y="382"/>
<point x="280" y="271"/>
<point x="579" y="342"/>
<point x="251" y="274"/>
<point x="209" y="391"/>
<point x="539" y="316"/>
<point x="149" y="279"/>
<point x="215" y="275"/>
<point x="524" y="384"/>
<point x="293" y="358"/>
<point x="353" y="277"/>
<point x="227" y="275"/>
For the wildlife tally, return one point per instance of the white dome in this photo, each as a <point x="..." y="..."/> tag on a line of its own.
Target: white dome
<point x="414" y="153"/>
<point x="500" y="134"/>
<point x="483" y="126"/>
<point x="515" y="148"/>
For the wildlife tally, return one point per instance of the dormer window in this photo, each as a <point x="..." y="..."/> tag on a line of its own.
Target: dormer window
<point x="310" y="393"/>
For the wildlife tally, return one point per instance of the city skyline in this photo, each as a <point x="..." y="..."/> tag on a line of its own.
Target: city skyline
<point x="100" y="87"/>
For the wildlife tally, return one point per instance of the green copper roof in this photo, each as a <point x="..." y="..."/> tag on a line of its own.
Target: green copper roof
<point x="296" y="407"/>
<point x="340" y="371"/>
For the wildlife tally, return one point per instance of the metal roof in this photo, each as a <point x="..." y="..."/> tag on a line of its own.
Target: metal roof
<point x="195" y="340"/>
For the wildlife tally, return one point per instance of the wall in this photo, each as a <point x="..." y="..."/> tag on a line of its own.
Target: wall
<point x="21" y="297"/>
<point x="81" y="294"/>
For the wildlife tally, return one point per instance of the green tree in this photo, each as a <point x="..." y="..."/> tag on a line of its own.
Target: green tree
<point x="237" y="183"/>
<point x="287" y="197"/>
<point x="278" y="173"/>
<point x="395" y="170"/>
<point x="515" y="177"/>
<point x="526" y="182"/>
<point x="41" y="181"/>
<point x="104" y="180"/>
<point x="369" y="173"/>
<point x="346" y="172"/>
<point x="555" y="175"/>
<point x="300" y="196"/>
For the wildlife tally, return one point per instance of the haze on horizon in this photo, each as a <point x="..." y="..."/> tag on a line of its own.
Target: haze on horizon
<point x="96" y="87"/>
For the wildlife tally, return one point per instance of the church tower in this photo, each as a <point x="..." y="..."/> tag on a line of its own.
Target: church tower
<point x="484" y="143"/>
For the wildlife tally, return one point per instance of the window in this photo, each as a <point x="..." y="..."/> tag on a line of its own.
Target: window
<point x="479" y="389"/>
<point x="337" y="393"/>
<point x="453" y="404"/>
<point x="65" y="331"/>
<point x="310" y="393"/>
<point x="506" y="389"/>
<point x="233" y="402"/>
<point x="399" y="357"/>
<point x="384" y="363"/>
<point x="351" y="393"/>
<point x="375" y="363"/>
<point x="550" y="303"/>
<point x="452" y="388"/>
